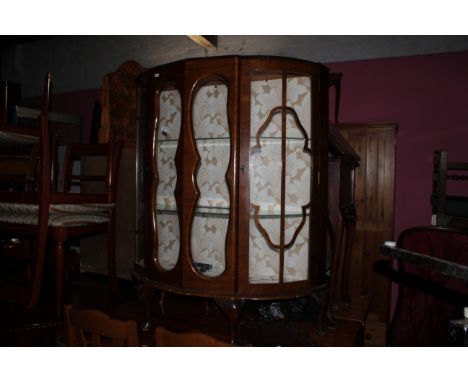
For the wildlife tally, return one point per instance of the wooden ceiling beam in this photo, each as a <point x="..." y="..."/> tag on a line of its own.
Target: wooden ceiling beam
<point x="207" y="42"/>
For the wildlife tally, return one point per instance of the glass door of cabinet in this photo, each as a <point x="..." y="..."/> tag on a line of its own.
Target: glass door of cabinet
<point x="160" y="170"/>
<point x="212" y="211"/>
<point x="280" y="168"/>
<point x="165" y="217"/>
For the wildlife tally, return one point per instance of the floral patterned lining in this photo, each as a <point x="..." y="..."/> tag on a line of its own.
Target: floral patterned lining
<point x="210" y="224"/>
<point x="167" y="219"/>
<point x="265" y="179"/>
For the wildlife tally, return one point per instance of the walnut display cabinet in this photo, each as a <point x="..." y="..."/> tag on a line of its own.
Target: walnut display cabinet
<point x="232" y="178"/>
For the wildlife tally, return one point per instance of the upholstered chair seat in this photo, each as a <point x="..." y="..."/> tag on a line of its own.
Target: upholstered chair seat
<point x="59" y="214"/>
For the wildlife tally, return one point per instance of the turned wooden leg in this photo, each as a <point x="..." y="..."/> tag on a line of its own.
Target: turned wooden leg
<point x="147" y="294"/>
<point x="350" y="222"/>
<point x="327" y="311"/>
<point x="232" y="308"/>
<point x="111" y="252"/>
<point x="59" y="264"/>
<point x="39" y="264"/>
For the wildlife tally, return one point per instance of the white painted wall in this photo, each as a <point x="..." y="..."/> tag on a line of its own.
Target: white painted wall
<point x="80" y="62"/>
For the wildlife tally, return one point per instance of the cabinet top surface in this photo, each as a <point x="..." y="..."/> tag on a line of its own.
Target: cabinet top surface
<point x="240" y="58"/>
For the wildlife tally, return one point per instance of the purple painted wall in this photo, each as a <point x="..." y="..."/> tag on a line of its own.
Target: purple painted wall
<point x="428" y="97"/>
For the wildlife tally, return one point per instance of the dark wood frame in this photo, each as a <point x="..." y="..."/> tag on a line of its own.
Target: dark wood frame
<point x="232" y="286"/>
<point x="343" y="161"/>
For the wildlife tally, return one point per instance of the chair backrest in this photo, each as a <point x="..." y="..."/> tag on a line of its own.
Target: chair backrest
<point x="90" y="327"/>
<point x="444" y="171"/>
<point x="4" y="103"/>
<point x="110" y="152"/>
<point x="22" y="148"/>
<point x="428" y="299"/>
<point x="165" y="337"/>
<point x="10" y="97"/>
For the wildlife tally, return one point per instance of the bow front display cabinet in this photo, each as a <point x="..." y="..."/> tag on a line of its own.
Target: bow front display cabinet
<point x="232" y="178"/>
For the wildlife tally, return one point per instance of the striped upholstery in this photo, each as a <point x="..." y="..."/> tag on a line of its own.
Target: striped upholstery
<point x="59" y="214"/>
<point x="8" y="138"/>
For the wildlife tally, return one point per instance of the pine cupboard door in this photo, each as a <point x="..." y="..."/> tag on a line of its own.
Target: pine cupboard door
<point x="282" y="137"/>
<point x="374" y="199"/>
<point x="161" y="149"/>
<point x="209" y="225"/>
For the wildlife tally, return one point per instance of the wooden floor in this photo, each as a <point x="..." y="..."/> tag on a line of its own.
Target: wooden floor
<point x="40" y="327"/>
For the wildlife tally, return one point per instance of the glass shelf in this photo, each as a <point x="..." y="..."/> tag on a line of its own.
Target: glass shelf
<point x="213" y="139"/>
<point x="197" y="139"/>
<point x="167" y="140"/>
<point x="214" y="212"/>
<point x="223" y="212"/>
<point x="279" y="138"/>
<point x="277" y="214"/>
<point x="206" y="212"/>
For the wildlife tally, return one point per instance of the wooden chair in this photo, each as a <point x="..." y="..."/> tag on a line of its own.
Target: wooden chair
<point x="448" y="210"/>
<point x="43" y="214"/>
<point x="431" y="293"/>
<point x="18" y="149"/>
<point x="165" y="337"/>
<point x="90" y="327"/>
<point x="76" y="215"/>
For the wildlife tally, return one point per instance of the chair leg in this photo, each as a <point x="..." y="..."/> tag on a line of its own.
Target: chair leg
<point x="39" y="267"/>
<point x="111" y="253"/>
<point x="59" y="263"/>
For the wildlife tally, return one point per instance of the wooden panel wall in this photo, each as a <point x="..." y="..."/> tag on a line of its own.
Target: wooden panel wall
<point x="374" y="197"/>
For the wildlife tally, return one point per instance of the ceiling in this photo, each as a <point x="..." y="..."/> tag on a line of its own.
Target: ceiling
<point x="10" y="41"/>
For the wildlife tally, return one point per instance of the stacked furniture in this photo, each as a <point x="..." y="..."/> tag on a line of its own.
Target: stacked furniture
<point x="39" y="214"/>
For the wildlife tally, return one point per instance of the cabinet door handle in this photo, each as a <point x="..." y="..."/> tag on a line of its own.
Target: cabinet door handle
<point x="242" y="167"/>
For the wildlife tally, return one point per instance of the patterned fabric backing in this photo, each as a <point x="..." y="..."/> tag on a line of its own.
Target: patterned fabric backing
<point x="265" y="179"/>
<point x="167" y="220"/>
<point x="210" y="224"/>
<point x="59" y="214"/>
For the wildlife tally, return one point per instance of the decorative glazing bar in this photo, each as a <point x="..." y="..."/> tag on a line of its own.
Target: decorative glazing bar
<point x="276" y="110"/>
<point x="257" y="147"/>
<point x="257" y="216"/>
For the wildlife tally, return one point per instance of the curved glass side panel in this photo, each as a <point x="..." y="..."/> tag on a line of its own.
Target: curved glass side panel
<point x="298" y="177"/>
<point x="280" y="175"/>
<point x="265" y="167"/>
<point x="142" y="203"/>
<point x="167" y="140"/>
<point x="211" y="216"/>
